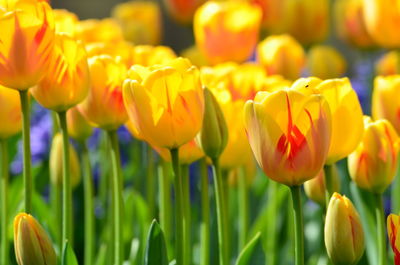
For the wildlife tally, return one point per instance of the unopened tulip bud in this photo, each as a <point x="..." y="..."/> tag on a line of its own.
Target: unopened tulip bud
<point x="315" y="188"/>
<point x="344" y="236"/>
<point x="31" y="242"/>
<point x="393" y="225"/>
<point x="56" y="160"/>
<point x="213" y="136"/>
<point x="78" y="127"/>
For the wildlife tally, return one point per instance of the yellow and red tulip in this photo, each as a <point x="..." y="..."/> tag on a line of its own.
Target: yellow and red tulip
<point x="188" y="153"/>
<point x="10" y="112"/>
<point x="121" y="49"/>
<point x="289" y="133"/>
<point x="65" y="21"/>
<point x="94" y="30"/>
<point x="147" y="55"/>
<point x="26" y="43"/>
<point x="325" y="62"/>
<point x="393" y="224"/>
<point x="272" y="14"/>
<point x="388" y="64"/>
<point x="182" y="10"/>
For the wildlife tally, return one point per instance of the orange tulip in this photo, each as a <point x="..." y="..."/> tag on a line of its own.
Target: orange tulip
<point x="182" y="10"/>
<point x="26" y="43"/>
<point x="93" y="30"/>
<point x="78" y="127"/>
<point x="289" y="133"/>
<point x="388" y="64"/>
<point x="393" y="224"/>
<point x="227" y="31"/>
<point x="68" y="82"/>
<point x="147" y="55"/>
<point x="104" y="105"/>
<point x="10" y="112"/>
<point x="65" y="21"/>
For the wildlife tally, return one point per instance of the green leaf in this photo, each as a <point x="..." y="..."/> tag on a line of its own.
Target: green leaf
<point x="156" y="250"/>
<point x="102" y="255"/>
<point x="245" y="255"/>
<point x="68" y="256"/>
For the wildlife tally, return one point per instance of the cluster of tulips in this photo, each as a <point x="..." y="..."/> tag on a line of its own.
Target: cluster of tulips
<point x="216" y="107"/>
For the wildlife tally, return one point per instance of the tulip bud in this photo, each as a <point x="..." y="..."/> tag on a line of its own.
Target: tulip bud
<point x="393" y="225"/>
<point x="315" y="188"/>
<point x="344" y="236"/>
<point x="31" y="242"/>
<point x="388" y="64"/>
<point x="325" y="62"/>
<point x="56" y="160"/>
<point x="78" y="127"/>
<point x="10" y="112"/>
<point x="213" y="136"/>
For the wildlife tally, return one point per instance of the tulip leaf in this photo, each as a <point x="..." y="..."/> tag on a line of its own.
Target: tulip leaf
<point x="156" y="250"/>
<point x="101" y="255"/>
<point x="247" y="252"/>
<point x="68" y="256"/>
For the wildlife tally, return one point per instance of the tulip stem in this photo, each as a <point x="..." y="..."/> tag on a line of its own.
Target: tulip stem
<point x="27" y="176"/>
<point x="179" y="210"/>
<point x="298" y="224"/>
<point x="205" y="215"/>
<point x="380" y="224"/>
<point x="66" y="187"/>
<point x="89" y="205"/>
<point x="186" y="210"/>
<point x="4" y="201"/>
<point x="165" y="201"/>
<point x="221" y="213"/>
<point x="116" y="196"/>
<point x="328" y="170"/>
<point x="243" y="208"/>
<point x="150" y="183"/>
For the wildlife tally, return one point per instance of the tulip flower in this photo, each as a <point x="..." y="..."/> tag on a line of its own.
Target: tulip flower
<point x="325" y="62"/>
<point x="68" y="82"/>
<point x="121" y="49"/>
<point x="350" y="23"/>
<point x="195" y="56"/>
<point x="104" y="107"/>
<point x="27" y="42"/>
<point x="182" y="11"/>
<point x="272" y="14"/>
<point x="65" y="22"/>
<point x="31" y="242"/>
<point x="221" y="36"/>
<point x="105" y="30"/>
<point x="388" y="64"/>
<point x="188" y="153"/>
<point x="393" y="223"/>
<point x="289" y="133"/>
<point x="373" y="165"/>
<point x="55" y="161"/>
<point x="386" y="89"/>
<point x="315" y="188"/>
<point x="344" y="236"/>
<point x="10" y="112"/>
<point x="167" y="98"/>
<point x="281" y="55"/>
<point x="147" y="55"/>
<point x="382" y="20"/>
<point x="140" y="21"/>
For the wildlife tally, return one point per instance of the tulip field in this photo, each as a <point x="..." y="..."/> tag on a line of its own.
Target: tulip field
<point x="200" y="132"/>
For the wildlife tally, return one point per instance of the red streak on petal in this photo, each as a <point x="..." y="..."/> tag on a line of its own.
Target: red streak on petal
<point x="392" y="238"/>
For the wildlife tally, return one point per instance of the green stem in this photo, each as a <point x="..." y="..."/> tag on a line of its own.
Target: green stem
<point x="150" y="183"/>
<point x="205" y="215"/>
<point x="4" y="255"/>
<point x="272" y="229"/>
<point x="243" y="208"/>
<point x="186" y="210"/>
<point x="66" y="187"/>
<point x="328" y="170"/>
<point x="298" y="224"/>
<point x="27" y="175"/>
<point x="89" y="206"/>
<point x="117" y="196"/>
<point x="221" y="214"/>
<point x="380" y="224"/>
<point x="165" y="201"/>
<point x="179" y="212"/>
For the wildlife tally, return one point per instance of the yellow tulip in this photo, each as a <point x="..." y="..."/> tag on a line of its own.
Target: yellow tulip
<point x="26" y="43"/>
<point x="195" y="56"/>
<point x="384" y="99"/>
<point x="56" y="162"/>
<point x="388" y="64"/>
<point x="147" y="55"/>
<point x="344" y="235"/>
<point x="93" y="30"/>
<point x="281" y="55"/>
<point x="350" y="23"/>
<point x="31" y="242"/>
<point x="325" y="62"/>
<point x="104" y="107"/>
<point x="372" y="166"/>
<point x="227" y="31"/>
<point x="121" y="49"/>
<point x="347" y="117"/>
<point x="315" y="188"/>
<point x="65" y="21"/>
<point x="307" y="20"/>
<point x="182" y="10"/>
<point x="393" y="224"/>
<point x="10" y="112"/>
<point x="188" y="153"/>
<point x="67" y="84"/>
<point x="289" y="133"/>
<point x="382" y="19"/>
<point x="78" y="127"/>
<point x="165" y="98"/>
<point x="140" y="21"/>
